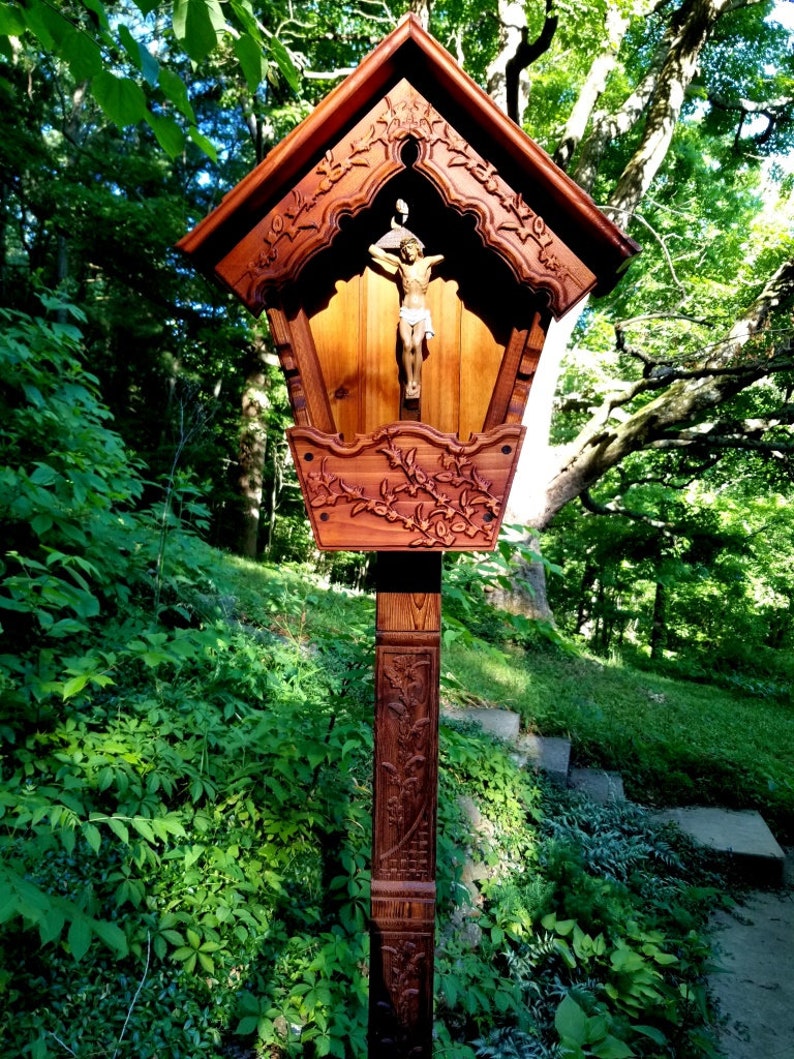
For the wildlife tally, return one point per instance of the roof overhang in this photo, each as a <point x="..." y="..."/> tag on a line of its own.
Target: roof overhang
<point x="549" y="232"/>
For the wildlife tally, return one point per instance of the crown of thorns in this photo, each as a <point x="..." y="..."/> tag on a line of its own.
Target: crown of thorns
<point x="408" y="240"/>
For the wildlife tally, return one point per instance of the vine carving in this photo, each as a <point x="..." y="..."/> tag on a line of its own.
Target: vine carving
<point x="406" y="964"/>
<point x="409" y="487"/>
<point x="354" y="170"/>
<point x="407" y="791"/>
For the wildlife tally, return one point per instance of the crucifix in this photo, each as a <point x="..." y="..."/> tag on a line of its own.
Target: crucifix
<point x="398" y="454"/>
<point x="412" y="270"/>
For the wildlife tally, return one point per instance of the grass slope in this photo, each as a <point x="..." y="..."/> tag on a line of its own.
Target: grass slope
<point x="675" y="742"/>
<point x="184" y="857"/>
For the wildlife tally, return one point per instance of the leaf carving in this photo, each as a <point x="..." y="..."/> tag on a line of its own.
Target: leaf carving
<point x="440" y="504"/>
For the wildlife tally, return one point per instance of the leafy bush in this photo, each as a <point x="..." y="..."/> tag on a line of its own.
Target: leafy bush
<point x="185" y="795"/>
<point x="66" y="485"/>
<point x="215" y="839"/>
<point x="180" y="827"/>
<point x="469" y="582"/>
<point x="589" y="938"/>
<point x="616" y="938"/>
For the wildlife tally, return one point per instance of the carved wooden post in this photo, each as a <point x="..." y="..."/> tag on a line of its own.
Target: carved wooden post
<point x="408" y="637"/>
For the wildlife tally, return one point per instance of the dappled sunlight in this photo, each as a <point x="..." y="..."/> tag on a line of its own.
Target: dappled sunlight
<point x="485" y="676"/>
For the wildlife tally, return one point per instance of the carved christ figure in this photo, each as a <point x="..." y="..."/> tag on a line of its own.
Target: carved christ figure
<point x="412" y="270"/>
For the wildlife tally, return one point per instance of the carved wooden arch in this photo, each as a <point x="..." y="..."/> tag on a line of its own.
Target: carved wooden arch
<point x="348" y="177"/>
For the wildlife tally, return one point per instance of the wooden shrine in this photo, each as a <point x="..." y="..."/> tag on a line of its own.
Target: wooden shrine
<point x="410" y="246"/>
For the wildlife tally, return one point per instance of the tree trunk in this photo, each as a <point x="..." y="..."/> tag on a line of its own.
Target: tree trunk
<point x="548" y="478"/>
<point x="528" y="595"/>
<point x="71" y="131"/>
<point x="688" y="32"/>
<point x="608" y="127"/>
<point x="508" y="83"/>
<point x="658" y="640"/>
<point x="592" y="89"/>
<point x="422" y="9"/>
<point x="583" y="611"/>
<point x="604" y="443"/>
<point x="512" y="29"/>
<point x="253" y="446"/>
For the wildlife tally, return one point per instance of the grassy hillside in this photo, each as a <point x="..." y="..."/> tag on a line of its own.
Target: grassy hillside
<point x="674" y="741"/>
<point x="185" y="790"/>
<point x="186" y="807"/>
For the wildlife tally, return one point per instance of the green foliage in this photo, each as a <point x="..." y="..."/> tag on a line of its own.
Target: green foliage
<point x="185" y="794"/>
<point x="625" y="954"/>
<point x="128" y="60"/>
<point x="185" y="771"/>
<point x="62" y="509"/>
<point x="197" y="817"/>
<point x="671" y="740"/>
<point x="181" y="801"/>
<point x="694" y="585"/>
<point x="469" y="584"/>
<point x="586" y="1035"/>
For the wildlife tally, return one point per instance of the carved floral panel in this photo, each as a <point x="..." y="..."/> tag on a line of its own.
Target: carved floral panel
<point x="406" y="486"/>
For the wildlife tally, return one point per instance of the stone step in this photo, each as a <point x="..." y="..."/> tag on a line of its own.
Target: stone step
<point x="550" y="754"/>
<point x="601" y="786"/>
<point x="504" y="724"/>
<point x="742" y="838"/>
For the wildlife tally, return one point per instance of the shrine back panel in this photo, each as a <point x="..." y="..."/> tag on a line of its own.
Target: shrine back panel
<point x="356" y="340"/>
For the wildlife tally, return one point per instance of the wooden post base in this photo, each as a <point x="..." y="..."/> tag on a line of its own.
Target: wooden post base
<point x="408" y="639"/>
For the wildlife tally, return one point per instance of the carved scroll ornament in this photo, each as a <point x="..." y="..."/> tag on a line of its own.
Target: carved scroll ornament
<point x="407" y="486"/>
<point x="348" y="177"/>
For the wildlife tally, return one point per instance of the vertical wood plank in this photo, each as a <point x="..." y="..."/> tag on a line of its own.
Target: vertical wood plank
<point x="310" y="372"/>
<point x="378" y="359"/>
<point x="408" y="637"/>
<point x="514" y="381"/>
<point x="502" y="393"/>
<point x="279" y="329"/>
<point x="480" y="357"/>
<point x="336" y="332"/>
<point x="441" y="369"/>
<point x="530" y="355"/>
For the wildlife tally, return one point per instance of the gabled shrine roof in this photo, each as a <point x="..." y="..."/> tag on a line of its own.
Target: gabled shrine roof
<point x="544" y="214"/>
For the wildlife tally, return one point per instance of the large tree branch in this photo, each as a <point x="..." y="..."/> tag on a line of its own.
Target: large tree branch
<point x="525" y="54"/>
<point x="608" y="126"/>
<point x="594" y="84"/>
<point x="776" y="112"/>
<point x="689" y="30"/>
<point x="750" y="434"/>
<point x="613" y="507"/>
<point x="659" y="97"/>
<point x="687" y="397"/>
<point x="422" y="9"/>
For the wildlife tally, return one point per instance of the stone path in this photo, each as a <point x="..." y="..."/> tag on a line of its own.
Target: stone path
<point x="740" y="838"/>
<point x="754" y="983"/>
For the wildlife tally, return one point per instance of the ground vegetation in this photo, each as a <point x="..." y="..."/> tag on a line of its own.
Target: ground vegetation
<point x="185" y="736"/>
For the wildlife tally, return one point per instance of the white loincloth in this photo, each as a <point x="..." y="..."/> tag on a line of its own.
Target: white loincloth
<point x="418" y="316"/>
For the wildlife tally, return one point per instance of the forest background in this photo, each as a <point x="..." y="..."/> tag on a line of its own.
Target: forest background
<point x="660" y="424"/>
<point x="134" y="394"/>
